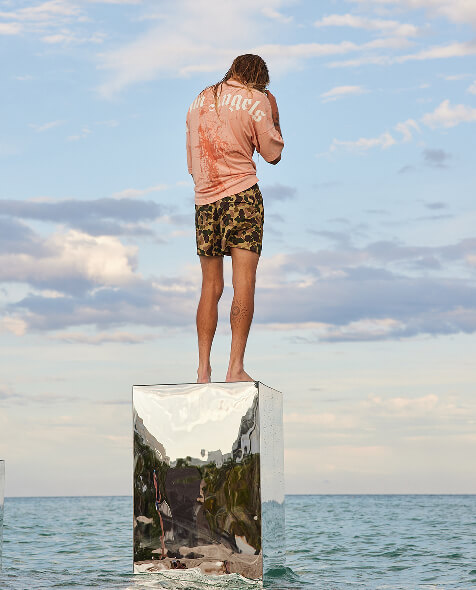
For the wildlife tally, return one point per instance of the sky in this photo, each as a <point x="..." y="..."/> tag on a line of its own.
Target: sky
<point x="365" y="309"/>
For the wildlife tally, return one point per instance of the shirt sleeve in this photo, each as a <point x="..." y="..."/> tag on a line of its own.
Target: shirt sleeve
<point x="189" y="150"/>
<point x="266" y="138"/>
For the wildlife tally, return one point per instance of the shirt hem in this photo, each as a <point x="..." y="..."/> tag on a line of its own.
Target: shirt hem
<point x="246" y="183"/>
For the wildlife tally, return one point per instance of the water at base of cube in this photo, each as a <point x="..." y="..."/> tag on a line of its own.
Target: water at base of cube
<point x="208" y="478"/>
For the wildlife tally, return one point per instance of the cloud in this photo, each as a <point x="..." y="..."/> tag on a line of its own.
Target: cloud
<point x="340" y="91"/>
<point x="436" y="205"/>
<point x="403" y="406"/>
<point x="13" y="325"/>
<point x="381" y="26"/>
<point x="456" y="49"/>
<point x="9" y="397"/>
<point x="178" y="45"/>
<point x="436" y="157"/>
<point x="273" y="14"/>
<point x="406" y="168"/>
<point x="71" y="261"/>
<point x="472" y="88"/>
<point x="326" y="420"/>
<point x="104" y="337"/>
<point x="43" y="19"/>
<point x="44" y="11"/>
<point x="278" y="192"/>
<point x="383" y="290"/>
<point x="10" y="28"/>
<point x="447" y="116"/>
<point x="17" y="237"/>
<point x="406" y="128"/>
<point x="85" y="132"/>
<point x="67" y="37"/>
<point x="456" y="11"/>
<point x="45" y="126"/>
<point x="132" y="193"/>
<point x="384" y="140"/>
<point x="107" y="216"/>
<point x="444" y="115"/>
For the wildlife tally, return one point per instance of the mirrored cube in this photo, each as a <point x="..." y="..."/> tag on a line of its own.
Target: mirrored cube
<point x="208" y="478"/>
<point x="2" y="495"/>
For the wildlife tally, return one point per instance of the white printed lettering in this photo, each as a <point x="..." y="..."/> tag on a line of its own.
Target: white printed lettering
<point x="226" y="99"/>
<point x="254" y="106"/>
<point x="244" y="104"/>
<point x="258" y="116"/>
<point x="236" y="101"/>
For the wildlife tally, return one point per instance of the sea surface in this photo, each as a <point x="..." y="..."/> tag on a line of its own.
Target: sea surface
<point x="333" y="542"/>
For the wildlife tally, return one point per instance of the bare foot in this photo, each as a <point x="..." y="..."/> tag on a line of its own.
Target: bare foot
<point x="238" y="376"/>
<point x="204" y="376"/>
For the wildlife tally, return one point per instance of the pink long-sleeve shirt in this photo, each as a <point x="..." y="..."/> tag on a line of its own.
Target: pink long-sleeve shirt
<point x="220" y="148"/>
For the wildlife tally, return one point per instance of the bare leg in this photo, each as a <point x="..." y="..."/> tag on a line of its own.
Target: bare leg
<point x="207" y="312"/>
<point x="244" y="263"/>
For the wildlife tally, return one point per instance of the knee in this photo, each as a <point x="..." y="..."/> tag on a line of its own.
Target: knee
<point x="214" y="289"/>
<point x="219" y="286"/>
<point x="244" y="283"/>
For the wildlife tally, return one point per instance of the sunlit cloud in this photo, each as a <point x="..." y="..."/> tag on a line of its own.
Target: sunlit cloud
<point x="341" y="91"/>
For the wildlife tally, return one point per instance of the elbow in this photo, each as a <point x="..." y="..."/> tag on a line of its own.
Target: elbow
<point x="274" y="162"/>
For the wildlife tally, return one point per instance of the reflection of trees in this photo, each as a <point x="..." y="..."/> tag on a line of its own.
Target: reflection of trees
<point x="232" y="499"/>
<point x="145" y="461"/>
<point x="228" y="506"/>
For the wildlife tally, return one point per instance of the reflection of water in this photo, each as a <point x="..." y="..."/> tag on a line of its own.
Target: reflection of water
<point x="276" y="579"/>
<point x="193" y="579"/>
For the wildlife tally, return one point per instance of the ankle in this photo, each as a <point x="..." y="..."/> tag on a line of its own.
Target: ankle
<point x="235" y="367"/>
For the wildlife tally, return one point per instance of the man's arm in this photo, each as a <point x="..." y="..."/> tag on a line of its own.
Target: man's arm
<point x="275" y="114"/>
<point x="274" y="111"/>
<point x="188" y="147"/>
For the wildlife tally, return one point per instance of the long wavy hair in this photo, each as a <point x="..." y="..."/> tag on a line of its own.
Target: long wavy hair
<point x="250" y="70"/>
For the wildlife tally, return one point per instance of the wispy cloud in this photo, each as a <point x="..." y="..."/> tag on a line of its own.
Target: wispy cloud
<point x="341" y="91"/>
<point x="444" y="115"/>
<point x="456" y="11"/>
<point x="85" y="132"/>
<point x="103" y="338"/>
<point x="384" y="141"/>
<point x="449" y="50"/>
<point x="133" y="193"/>
<point x="45" y="126"/>
<point x="382" y="26"/>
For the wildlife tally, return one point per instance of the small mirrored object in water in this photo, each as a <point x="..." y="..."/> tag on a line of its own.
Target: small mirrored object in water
<point x="208" y="478"/>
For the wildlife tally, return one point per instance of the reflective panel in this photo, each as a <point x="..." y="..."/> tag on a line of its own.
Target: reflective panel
<point x="208" y="481"/>
<point x="2" y="493"/>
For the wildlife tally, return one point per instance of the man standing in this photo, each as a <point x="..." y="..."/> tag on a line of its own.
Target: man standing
<point x="225" y="124"/>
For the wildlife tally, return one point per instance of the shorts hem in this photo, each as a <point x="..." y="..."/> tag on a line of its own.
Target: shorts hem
<point x="242" y="247"/>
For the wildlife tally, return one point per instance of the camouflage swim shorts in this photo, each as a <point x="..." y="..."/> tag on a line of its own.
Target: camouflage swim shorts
<point x="233" y="221"/>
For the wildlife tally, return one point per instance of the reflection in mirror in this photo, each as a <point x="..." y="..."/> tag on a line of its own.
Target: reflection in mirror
<point x="197" y="492"/>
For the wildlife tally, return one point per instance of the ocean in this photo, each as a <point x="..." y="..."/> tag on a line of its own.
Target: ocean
<point x="333" y="542"/>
